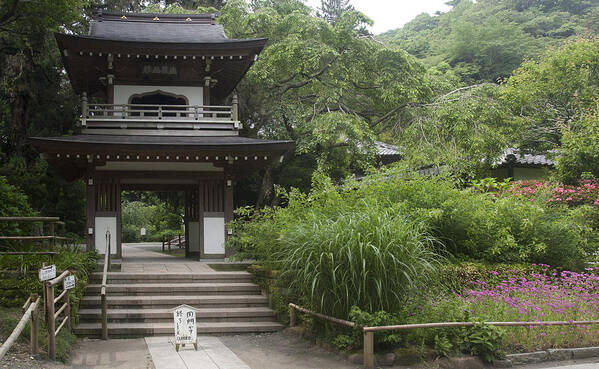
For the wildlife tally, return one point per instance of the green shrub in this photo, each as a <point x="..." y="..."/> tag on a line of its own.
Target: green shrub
<point x="64" y="342"/>
<point x="484" y="341"/>
<point x="372" y="259"/>
<point x="375" y="243"/>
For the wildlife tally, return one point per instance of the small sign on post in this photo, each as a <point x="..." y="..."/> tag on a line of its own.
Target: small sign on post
<point x="68" y="282"/>
<point x="142" y="231"/>
<point x="47" y="273"/>
<point x="185" y="326"/>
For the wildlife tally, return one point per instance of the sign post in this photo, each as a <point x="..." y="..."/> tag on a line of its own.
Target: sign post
<point x="47" y="273"/>
<point x="185" y="326"/>
<point x="68" y="282"/>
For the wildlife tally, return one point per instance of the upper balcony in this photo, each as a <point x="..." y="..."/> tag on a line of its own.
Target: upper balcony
<point x="148" y="119"/>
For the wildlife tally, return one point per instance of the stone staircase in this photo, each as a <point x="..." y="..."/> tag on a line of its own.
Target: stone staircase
<point x="139" y="304"/>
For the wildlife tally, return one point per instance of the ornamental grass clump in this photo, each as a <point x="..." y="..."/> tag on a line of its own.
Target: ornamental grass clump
<point x="372" y="259"/>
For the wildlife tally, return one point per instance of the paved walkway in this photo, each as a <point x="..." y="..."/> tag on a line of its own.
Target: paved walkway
<point x="114" y="353"/>
<point x="246" y="351"/>
<point x="211" y="354"/>
<point x="147" y="258"/>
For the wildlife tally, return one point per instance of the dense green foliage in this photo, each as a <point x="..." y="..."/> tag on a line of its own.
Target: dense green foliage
<point x="159" y="213"/>
<point x="320" y="84"/>
<point x="345" y="244"/>
<point x="486" y="40"/>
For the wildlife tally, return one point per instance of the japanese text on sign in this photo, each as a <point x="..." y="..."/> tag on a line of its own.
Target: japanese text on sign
<point x="185" y="324"/>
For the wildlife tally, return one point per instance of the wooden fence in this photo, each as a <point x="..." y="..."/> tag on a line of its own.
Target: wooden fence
<point x="53" y="315"/>
<point x="178" y="241"/>
<point x="368" y="332"/>
<point x="30" y="313"/>
<point x="51" y="237"/>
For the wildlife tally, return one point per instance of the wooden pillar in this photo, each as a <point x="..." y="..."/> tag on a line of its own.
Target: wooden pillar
<point x="84" y="109"/>
<point x="235" y="107"/>
<point x="291" y="316"/>
<point x="119" y="220"/>
<point x="207" y="81"/>
<point x="51" y="321"/>
<point x="33" y="334"/>
<point x="228" y="210"/>
<point x="369" y="350"/>
<point x="90" y="209"/>
<point x="110" y="89"/>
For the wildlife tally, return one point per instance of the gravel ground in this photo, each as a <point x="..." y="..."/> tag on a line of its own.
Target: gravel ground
<point x="283" y="350"/>
<point x="19" y="358"/>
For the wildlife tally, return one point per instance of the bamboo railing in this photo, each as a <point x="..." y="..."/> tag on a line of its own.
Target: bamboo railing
<point x="103" y="288"/>
<point x="30" y="312"/>
<point x="52" y="314"/>
<point x="368" y="332"/>
<point x="51" y="237"/>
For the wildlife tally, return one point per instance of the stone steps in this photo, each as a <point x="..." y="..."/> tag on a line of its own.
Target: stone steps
<point x="140" y="304"/>
<point x="168" y="301"/>
<point x="146" y="278"/>
<point x="125" y="330"/>
<point x="121" y="289"/>
<point x="166" y="315"/>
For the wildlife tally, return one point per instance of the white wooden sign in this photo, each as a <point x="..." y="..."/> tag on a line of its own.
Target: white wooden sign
<point x="68" y="282"/>
<point x="185" y="326"/>
<point x="47" y="273"/>
<point x="142" y="231"/>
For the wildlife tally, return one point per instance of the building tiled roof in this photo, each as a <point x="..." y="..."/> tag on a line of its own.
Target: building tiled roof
<point x="158" y="32"/>
<point x="384" y="149"/>
<point x="162" y="28"/>
<point x="515" y="157"/>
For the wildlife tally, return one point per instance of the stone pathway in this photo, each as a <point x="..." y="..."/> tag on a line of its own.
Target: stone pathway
<point x="147" y="258"/>
<point x="114" y="353"/>
<point x="211" y="354"/>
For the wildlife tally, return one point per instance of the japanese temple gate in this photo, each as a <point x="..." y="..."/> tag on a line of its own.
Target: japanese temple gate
<point x="159" y="113"/>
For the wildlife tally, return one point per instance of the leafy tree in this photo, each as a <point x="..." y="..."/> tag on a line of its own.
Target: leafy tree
<point x="550" y="96"/>
<point x="35" y="100"/>
<point x="330" y="10"/>
<point x="321" y="85"/>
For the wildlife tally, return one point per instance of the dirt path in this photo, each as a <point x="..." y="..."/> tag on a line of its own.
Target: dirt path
<point x="283" y="350"/>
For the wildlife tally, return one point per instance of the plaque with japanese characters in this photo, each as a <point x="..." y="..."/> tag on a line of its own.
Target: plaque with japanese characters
<point x="185" y="325"/>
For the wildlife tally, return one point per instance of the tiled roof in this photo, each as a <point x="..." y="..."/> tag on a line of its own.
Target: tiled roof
<point x="384" y="149"/>
<point x="161" y="28"/>
<point x="514" y="156"/>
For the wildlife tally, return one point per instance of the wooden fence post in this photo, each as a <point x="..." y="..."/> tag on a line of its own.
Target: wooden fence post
<point x="291" y="316"/>
<point x="67" y="312"/>
<point x="104" y="318"/>
<point x="44" y="299"/>
<point x="52" y="240"/>
<point x="51" y="321"/>
<point x="33" y="334"/>
<point x="369" y="350"/>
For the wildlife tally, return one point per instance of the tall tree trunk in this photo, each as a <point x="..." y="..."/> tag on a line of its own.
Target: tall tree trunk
<point x="266" y="189"/>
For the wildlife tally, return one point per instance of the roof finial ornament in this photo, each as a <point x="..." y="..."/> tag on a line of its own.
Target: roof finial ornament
<point x="156" y="19"/>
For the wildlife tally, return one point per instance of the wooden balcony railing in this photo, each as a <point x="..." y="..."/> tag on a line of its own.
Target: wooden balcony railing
<point x="146" y="116"/>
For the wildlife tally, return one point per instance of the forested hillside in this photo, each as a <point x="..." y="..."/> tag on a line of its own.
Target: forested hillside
<point x="487" y="39"/>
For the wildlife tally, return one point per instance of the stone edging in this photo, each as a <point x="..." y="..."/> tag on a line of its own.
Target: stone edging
<point x="548" y="355"/>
